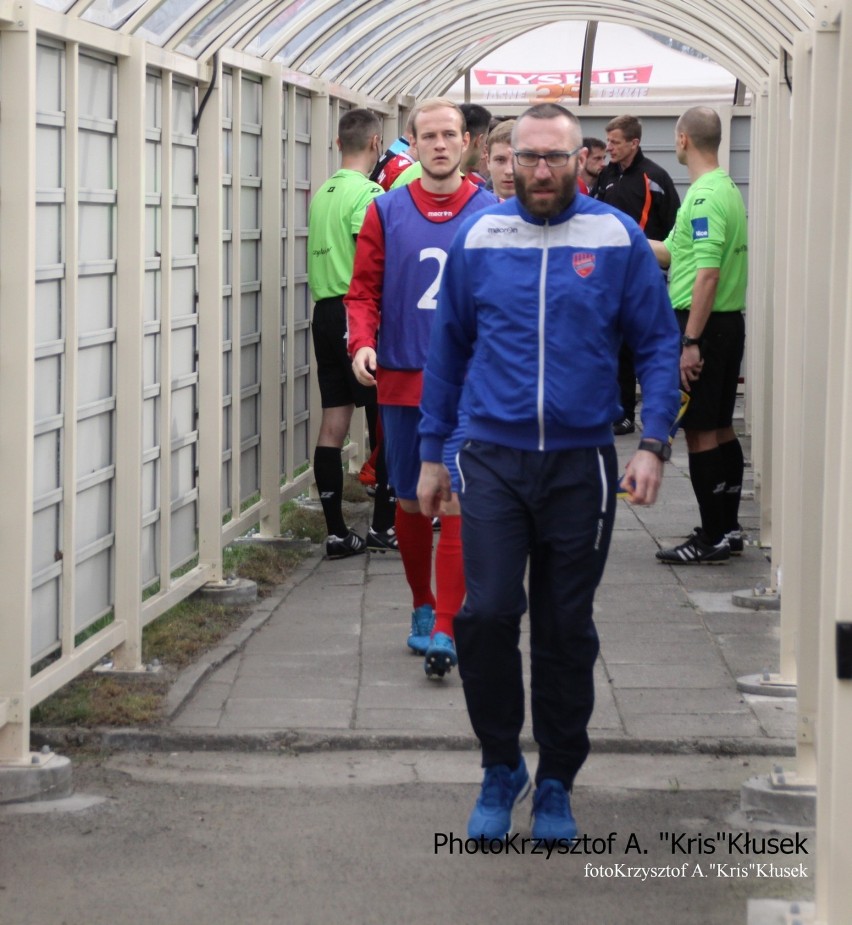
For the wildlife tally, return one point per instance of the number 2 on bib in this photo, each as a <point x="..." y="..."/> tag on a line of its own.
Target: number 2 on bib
<point x="429" y="297"/>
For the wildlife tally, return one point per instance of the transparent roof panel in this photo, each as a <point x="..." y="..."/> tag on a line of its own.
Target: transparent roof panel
<point x="372" y="43"/>
<point x="342" y="61"/>
<point x="111" y="13"/>
<point x="246" y="29"/>
<point x="280" y="22"/>
<point x="395" y="63"/>
<point x="339" y="57"/>
<point x="165" y="21"/>
<point x="210" y="26"/>
<point x="315" y="27"/>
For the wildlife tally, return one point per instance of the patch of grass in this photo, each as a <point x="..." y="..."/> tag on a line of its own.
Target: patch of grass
<point x="176" y="639"/>
<point x="267" y="566"/>
<point x="98" y="700"/>
<point x="302" y="522"/>
<point x="189" y="629"/>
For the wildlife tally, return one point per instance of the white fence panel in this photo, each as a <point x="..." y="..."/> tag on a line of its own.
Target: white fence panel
<point x="166" y="409"/>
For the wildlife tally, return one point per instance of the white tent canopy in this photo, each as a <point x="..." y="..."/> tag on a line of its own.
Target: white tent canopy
<point x="628" y="64"/>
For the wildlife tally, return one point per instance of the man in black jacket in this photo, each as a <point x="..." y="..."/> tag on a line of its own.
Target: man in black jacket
<point x="636" y="185"/>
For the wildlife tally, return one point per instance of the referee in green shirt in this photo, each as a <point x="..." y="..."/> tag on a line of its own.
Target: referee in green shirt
<point x="335" y="218"/>
<point x="707" y="256"/>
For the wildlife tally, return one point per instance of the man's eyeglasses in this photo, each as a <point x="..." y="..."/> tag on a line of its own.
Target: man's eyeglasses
<point x="552" y="158"/>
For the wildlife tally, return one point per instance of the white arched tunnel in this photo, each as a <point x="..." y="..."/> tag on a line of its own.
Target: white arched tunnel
<point x="131" y="215"/>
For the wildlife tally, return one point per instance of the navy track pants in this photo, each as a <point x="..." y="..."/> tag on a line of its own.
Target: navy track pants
<point x="555" y="509"/>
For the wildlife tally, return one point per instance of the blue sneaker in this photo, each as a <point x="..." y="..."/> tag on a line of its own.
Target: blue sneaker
<point x="501" y="790"/>
<point x="551" y="812"/>
<point x="440" y="656"/>
<point x="422" y="621"/>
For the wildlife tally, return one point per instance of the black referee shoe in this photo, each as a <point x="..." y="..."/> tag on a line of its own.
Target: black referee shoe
<point x="696" y="550"/>
<point x="735" y="538"/>
<point x="341" y="548"/>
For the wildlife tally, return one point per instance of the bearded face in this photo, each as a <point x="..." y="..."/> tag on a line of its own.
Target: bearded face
<point x="546" y="191"/>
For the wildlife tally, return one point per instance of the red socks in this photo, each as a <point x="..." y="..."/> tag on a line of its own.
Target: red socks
<point x="414" y="534"/>
<point x="449" y="574"/>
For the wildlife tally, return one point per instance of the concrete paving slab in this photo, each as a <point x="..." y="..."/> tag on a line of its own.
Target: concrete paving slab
<point x="212" y="696"/>
<point x="382" y="564"/>
<point x="674" y="631"/>
<point x="660" y="595"/>
<point x="777" y="716"/>
<point x="605" y="717"/>
<point x="311" y="647"/>
<point x="331" y="686"/>
<point x="692" y="725"/>
<point x="388" y="588"/>
<point x="638" y="701"/>
<point x="226" y="672"/>
<point x="389" y="657"/>
<point x="328" y="602"/>
<point x="294" y="665"/>
<point x="193" y="717"/>
<point x="746" y="621"/>
<point x="654" y="652"/>
<point x="280" y="713"/>
<point x="647" y="619"/>
<point x="385" y="649"/>
<point x="670" y="676"/>
<point x="750" y="653"/>
<point x="416" y="693"/>
<point x="671" y="646"/>
<point x="452" y="721"/>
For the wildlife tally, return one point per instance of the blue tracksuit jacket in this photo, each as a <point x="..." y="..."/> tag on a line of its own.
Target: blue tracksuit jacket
<point x="529" y="320"/>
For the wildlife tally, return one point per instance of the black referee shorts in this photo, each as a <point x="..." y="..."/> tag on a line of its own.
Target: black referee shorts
<point x="713" y="395"/>
<point x="337" y="383"/>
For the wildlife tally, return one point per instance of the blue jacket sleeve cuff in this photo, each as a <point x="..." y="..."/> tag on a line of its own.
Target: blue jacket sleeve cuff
<point x="431" y="449"/>
<point x="655" y="428"/>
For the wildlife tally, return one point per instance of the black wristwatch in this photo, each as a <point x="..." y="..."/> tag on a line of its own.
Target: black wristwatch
<point x="661" y="449"/>
<point x="689" y="341"/>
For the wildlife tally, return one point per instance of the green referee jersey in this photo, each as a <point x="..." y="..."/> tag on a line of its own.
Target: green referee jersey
<point x="710" y="233"/>
<point x="335" y="217"/>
